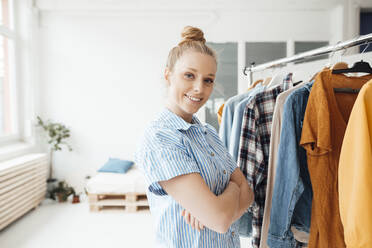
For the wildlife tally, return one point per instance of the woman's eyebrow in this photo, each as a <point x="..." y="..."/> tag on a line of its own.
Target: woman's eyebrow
<point x="192" y="69"/>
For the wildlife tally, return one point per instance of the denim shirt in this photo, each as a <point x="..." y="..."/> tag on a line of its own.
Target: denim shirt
<point x="236" y="128"/>
<point x="228" y="116"/>
<point x="292" y="196"/>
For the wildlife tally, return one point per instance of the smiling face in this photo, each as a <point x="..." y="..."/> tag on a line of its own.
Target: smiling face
<point x="190" y="83"/>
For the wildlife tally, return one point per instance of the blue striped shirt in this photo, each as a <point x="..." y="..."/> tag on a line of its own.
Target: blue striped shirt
<point x="171" y="147"/>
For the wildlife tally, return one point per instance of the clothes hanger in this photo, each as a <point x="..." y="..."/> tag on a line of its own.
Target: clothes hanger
<point x="267" y="81"/>
<point x="329" y="63"/>
<point x="276" y="79"/>
<point x="255" y="84"/>
<point x="360" y="66"/>
<point x="340" y="65"/>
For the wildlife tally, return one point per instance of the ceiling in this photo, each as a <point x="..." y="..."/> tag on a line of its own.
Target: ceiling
<point x="241" y="5"/>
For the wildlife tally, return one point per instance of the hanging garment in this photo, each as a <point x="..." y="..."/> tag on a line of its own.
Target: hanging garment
<point x="274" y="145"/>
<point x="227" y="117"/>
<point x="254" y="149"/>
<point x="236" y="128"/>
<point x="219" y="114"/>
<point x="245" y="221"/>
<point x="324" y="125"/>
<point x="292" y="193"/>
<point x="355" y="173"/>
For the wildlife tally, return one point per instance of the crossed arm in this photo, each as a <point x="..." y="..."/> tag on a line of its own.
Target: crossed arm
<point x="215" y="212"/>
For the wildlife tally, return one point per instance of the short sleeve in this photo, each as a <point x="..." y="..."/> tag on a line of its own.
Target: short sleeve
<point x="316" y="129"/>
<point x="162" y="156"/>
<point x="231" y="164"/>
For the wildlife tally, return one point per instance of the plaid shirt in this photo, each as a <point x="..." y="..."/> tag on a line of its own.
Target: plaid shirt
<point x="254" y="149"/>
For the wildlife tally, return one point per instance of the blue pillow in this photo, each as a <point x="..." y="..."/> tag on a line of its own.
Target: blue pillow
<point x="115" y="165"/>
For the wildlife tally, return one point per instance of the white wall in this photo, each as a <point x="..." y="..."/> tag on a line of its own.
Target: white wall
<point x="100" y="72"/>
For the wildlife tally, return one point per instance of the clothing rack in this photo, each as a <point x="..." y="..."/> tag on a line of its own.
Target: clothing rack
<point x="364" y="39"/>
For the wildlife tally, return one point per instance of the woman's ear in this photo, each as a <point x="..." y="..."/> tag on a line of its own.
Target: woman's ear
<point x="167" y="75"/>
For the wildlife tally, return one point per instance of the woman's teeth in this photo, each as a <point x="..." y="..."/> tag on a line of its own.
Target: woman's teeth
<point x="194" y="98"/>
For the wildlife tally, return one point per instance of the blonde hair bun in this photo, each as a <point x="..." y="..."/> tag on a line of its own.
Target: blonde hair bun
<point x="190" y="33"/>
<point x="192" y="39"/>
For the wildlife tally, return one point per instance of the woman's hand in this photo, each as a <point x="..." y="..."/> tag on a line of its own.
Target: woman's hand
<point x="234" y="185"/>
<point x="192" y="193"/>
<point x="191" y="220"/>
<point x="195" y="223"/>
<point x="246" y="194"/>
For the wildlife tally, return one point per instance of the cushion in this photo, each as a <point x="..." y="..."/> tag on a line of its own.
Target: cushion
<point x="115" y="165"/>
<point x="117" y="183"/>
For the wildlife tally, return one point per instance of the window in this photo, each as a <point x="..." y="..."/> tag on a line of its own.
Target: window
<point x="8" y="112"/>
<point x="226" y="82"/>
<point x="262" y="52"/>
<point x="366" y="27"/>
<point x="304" y="46"/>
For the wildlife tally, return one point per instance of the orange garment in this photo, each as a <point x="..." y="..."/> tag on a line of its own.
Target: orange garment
<point x="355" y="171"/>
<point x="219" y="114"/>
<point x="325" y="121"/>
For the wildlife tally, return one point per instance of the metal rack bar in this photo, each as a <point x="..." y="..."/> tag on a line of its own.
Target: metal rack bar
<point x="364" y="39"/>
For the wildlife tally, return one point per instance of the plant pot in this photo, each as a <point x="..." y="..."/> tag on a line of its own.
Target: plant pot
<point x="75" y="199"/>
<point x="61" y="197"/>
<point x="51" y="184"/>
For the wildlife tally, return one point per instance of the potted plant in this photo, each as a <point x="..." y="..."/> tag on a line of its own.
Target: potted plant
<point x="57" y="133"/>
<point x="76" y="198"/>
<point x="62" y="191"/>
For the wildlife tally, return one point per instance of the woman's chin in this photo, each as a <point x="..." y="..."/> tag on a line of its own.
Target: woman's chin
<point x="192" y="109"/>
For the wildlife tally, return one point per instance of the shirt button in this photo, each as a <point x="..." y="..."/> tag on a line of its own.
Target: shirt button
<point x="224" y="171"/>
<point x="233" y="233"/>
<point x="212" y="154"/>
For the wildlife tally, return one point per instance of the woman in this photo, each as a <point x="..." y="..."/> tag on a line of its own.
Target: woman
<point x="196" y="191"/>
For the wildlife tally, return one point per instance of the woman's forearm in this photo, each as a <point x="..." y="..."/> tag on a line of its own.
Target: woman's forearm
<point x="246" y="196"/>
<point x="245" y="200"/>
<point x="229" y="203"/>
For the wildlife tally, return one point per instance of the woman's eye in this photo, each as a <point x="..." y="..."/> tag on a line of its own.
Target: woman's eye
<point x="189" y="75"/>
<point x="208" y="80"/>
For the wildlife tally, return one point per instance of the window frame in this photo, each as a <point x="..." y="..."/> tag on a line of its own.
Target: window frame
<point x="10" y="33"/>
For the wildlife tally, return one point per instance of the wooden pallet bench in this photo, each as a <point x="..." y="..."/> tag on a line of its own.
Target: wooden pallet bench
<point x="131" y="202"/>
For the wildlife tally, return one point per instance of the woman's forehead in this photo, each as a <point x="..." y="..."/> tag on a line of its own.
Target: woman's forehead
<point x="197" y="62"/>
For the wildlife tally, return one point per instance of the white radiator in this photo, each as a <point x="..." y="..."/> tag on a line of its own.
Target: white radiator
<point x="22" y="185"/>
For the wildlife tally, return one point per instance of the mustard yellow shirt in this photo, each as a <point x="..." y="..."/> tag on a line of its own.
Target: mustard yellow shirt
<point x="219" y="114"/>
<point x="355" y="173"/>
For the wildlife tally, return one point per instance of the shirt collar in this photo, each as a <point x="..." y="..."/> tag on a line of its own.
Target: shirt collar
<point x="308" y="86"/>
<point x="171" y="119"/>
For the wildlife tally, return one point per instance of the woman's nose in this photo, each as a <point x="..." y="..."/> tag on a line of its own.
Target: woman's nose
<point x="198" y="86"/>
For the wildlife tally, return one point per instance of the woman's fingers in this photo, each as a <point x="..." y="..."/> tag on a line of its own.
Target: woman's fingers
<point x="188" y="216"/>
<point x="191" y="220"/>
<point x="196" y="225"/>
<point x="201" y="226"/>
